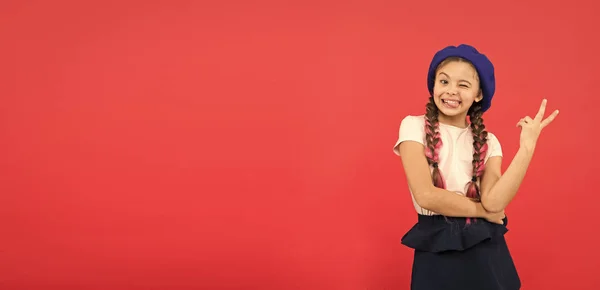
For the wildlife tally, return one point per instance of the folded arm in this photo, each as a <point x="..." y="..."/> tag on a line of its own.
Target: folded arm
<point x="426" y="194"/>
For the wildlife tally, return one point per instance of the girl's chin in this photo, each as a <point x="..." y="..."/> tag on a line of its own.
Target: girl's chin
<point x="451" y="112"/>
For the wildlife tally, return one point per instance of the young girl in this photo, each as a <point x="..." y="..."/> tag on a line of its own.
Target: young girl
<point x="453" y="169"/>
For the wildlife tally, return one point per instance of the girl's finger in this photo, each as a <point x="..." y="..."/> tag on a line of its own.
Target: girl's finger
<point x="550" y="118"/>
<point x="542" y="110"/>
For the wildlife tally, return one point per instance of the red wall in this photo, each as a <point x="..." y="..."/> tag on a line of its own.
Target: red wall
<point x="184" y="145"/>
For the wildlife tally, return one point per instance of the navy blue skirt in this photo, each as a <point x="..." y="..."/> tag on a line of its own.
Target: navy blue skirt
<point x="448" y="254"/>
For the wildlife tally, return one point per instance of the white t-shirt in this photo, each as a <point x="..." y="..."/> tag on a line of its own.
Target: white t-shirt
<point x="456" y="154"/>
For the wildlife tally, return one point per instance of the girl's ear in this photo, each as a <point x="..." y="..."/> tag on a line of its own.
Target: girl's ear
<point x="479" y="97"/>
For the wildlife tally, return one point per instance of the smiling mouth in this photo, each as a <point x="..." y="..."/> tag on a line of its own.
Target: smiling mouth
<point x="451" y="103"/>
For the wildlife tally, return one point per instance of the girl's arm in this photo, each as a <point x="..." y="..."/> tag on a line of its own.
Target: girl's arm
<point x="433" y="198"/>
<point x="498" y="190"/>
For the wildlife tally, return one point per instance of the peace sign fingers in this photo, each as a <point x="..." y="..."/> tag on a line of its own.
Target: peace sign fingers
<point x="540" y="115"/>
<point x="531" y="128"/>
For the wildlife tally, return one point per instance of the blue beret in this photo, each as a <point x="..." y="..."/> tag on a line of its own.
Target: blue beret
<point x="484" y="67"/>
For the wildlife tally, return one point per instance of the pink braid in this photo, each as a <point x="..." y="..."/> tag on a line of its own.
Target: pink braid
<point x="480" y="148"/>
<point x="433" y="143"/>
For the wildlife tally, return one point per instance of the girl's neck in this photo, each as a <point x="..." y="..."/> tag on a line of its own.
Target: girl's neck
<point x="455" y="121"/>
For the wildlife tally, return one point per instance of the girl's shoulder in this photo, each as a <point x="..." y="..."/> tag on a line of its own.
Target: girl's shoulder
<point x="412" y="128"/>
<point x="413" y="122"/>
<point x="415" y="118"/>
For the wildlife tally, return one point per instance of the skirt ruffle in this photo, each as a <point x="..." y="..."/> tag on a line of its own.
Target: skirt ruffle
<point x="438" y="234"/>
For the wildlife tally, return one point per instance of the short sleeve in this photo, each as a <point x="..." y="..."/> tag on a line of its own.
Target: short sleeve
<point x="494" y="147"/>
<point x="411" y="129"/>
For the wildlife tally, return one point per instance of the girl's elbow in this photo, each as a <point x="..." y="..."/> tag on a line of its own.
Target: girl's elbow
<point x="423" y="199"/>
<point x="491" y="205"/>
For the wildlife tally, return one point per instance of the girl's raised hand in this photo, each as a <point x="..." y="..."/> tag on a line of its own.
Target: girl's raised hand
<point x="531" y="128"/>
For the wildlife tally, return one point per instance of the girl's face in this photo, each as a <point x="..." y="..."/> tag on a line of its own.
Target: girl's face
<point x="456" y="88"/>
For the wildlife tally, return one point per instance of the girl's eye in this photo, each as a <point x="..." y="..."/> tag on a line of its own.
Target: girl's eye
<point x="444" y="82"/>
<point x="464" y="86"/>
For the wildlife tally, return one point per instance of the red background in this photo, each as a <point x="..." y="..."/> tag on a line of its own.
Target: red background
<point x="248" y="144"/>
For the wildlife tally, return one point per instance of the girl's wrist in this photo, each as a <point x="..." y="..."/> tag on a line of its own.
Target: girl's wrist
<point x="527" y="148"/>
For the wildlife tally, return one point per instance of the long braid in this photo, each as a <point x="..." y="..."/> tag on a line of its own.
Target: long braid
<point x="480" y="148"/>
<point x="433" y="142"/>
